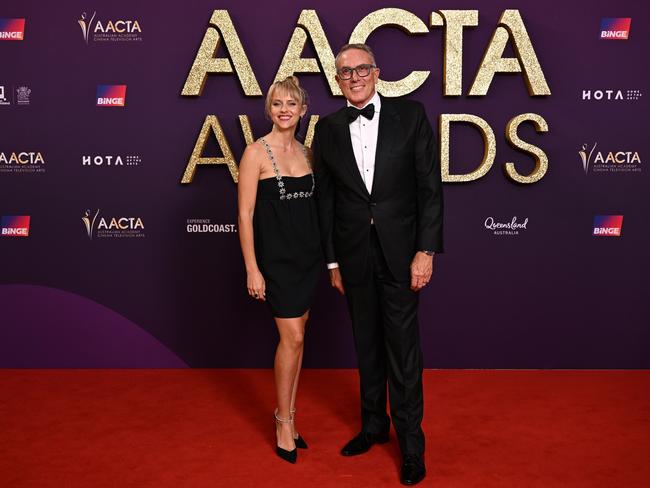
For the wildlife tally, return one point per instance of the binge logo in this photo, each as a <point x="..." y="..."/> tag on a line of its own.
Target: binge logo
<point x="608" y="225"/>
<point x="615" y="29"/>
<point x="12" y="29"/>
<point x="15" y="226"/>
<point x="111" y="95"/>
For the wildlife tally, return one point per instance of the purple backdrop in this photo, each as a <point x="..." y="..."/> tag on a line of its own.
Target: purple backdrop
<point x="553" y="296"/>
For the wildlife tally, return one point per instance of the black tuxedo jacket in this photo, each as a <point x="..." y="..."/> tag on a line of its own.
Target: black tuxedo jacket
<point x="405" y="203"/>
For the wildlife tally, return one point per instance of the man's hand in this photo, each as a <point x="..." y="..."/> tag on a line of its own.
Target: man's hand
<point x="421" y="269"/>
<point x="336" y="280"/>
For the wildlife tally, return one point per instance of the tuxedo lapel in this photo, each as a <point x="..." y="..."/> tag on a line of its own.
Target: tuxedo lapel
<point x="341" y="129"/>
<point x="388" y="131"/>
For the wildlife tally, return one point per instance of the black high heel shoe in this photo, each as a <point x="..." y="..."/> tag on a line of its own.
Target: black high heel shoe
<point x="300" y="442"/>
<point x="289" y="456"/>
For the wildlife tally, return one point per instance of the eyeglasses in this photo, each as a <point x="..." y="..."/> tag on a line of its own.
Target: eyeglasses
<point x="362" y="70"/>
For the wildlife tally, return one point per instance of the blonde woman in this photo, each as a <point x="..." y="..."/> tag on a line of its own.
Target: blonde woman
<point x="279" y="236"/>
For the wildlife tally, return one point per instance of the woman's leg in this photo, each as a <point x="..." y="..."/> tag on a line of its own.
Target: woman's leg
<point x="287" y="358"/>
<point x="304" y="318"/>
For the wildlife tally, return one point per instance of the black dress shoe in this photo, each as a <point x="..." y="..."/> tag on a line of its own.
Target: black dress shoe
<point x="363" y="442"/>
<point x="300" y="442"/>
<point x="413" y="470"/>
<point x="289" y="456"/>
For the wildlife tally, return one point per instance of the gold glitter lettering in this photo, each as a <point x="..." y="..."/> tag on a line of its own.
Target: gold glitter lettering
<point x="210" y="126"/>
<point x="511" y="26"/>
<point x="206" y="62"/>
<point x="453" y="22"/>
<point x="541" y="160"/>
<point x="246" y="129"/>
<point x="407" y="22"/>
<point x="489" y="144"/>
<point x="292" y="62"/>
<point x="310" y="130"/>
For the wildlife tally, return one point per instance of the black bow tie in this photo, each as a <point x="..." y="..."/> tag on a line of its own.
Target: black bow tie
<point x="368" y="112"/>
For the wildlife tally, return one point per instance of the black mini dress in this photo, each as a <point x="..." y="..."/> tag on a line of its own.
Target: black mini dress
<point x="287" y="240"/>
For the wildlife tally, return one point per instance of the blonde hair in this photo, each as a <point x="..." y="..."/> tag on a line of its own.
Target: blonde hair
<point x="290" y="85"/>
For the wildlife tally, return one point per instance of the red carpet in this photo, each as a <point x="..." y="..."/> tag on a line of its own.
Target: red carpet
<point x="214" y="428"/>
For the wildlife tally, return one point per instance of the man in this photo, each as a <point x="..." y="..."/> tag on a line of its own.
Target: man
<point x="380" y="206"/>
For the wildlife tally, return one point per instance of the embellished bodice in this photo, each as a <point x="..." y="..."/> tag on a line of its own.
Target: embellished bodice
<point x="285" y="187"/>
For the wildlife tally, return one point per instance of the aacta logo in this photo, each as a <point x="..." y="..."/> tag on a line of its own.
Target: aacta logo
<point x="111" y="95"/>
<point x="606" y="161"/>
<point x="616" y="29"/>
<point x="108" y="30"/>
<point x="608" y="225"/>
<point x="97" y="226"/>
<point x="15" y="226"/>
<point x="118" y="26"/>
<point x="22" y="158"/>
<point x="12" y="29"/>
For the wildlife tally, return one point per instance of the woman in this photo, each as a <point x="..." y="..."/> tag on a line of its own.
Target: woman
<point x="280" y="241"/>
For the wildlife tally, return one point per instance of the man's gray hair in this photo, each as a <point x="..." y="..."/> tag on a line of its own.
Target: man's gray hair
<point x="361" y="47"/>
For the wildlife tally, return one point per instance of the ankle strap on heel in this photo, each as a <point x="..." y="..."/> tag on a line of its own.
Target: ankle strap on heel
<point x="282" y="420"/>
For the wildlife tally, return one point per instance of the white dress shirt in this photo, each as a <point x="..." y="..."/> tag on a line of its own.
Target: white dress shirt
<point x="363" y="133"/>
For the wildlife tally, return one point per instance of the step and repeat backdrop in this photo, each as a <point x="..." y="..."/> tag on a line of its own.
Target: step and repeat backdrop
<point x="121" y="127"/>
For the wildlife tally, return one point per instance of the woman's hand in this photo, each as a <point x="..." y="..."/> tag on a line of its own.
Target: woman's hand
<point x="256" y="285"/>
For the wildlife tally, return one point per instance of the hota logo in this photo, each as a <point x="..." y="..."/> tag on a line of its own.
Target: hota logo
<point x="614" y="95"/>
<point x="12" y="29"/>
<point x="111" y="160"/>
<point x="109" y="30"/>
<point x="103" y="227"/>
<point x="111" y="95"/>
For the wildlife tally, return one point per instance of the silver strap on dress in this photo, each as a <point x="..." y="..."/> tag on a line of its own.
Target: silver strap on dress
<point x="283" y="191"/>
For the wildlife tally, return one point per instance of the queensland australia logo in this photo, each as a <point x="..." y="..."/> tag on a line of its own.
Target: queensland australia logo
<point x="12" y="29"/>
<point x="22" y="95"/>
<point x="22" y="162"/>
<point x="94" y="29"/>
<point x="608" y="225"/>
<point x="14" y="226"/>
<point x="622" y="161"/>
<point x="205" y="226"/>
<point x="111" y="160"/>
<point x="611" y="95"/>
<point x="98" y="226"/>
<point x="111" y="95"/>
<point x="615" y="29"/>
<point x="511" y="227"/>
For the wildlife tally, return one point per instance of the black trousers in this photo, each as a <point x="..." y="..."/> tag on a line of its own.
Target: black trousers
<point x="387" y="340"/>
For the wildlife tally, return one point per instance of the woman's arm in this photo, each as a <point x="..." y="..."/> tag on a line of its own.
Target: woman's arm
<point x="249" y="173"/>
